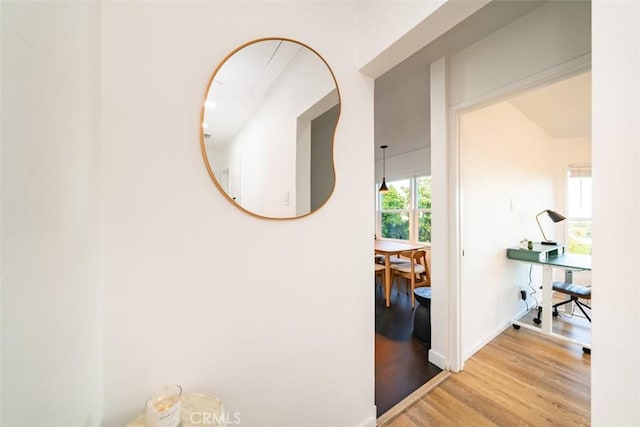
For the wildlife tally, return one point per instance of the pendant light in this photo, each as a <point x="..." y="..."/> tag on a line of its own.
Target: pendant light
<point x="383" y="186"/>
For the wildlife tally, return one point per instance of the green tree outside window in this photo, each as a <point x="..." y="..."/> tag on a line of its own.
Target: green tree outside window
<point x="395" y="225"/>
<point x="397" y="213"/>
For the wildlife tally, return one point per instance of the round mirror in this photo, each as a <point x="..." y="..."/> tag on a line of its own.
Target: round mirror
<point x="268" y="125"/>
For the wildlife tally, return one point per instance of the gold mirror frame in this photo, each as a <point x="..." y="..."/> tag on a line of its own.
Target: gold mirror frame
<point x="202" y="132"/>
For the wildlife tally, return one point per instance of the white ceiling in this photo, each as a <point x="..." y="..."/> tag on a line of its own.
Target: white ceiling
<point x="241" y="85"/>
<point x="562" y="109"/>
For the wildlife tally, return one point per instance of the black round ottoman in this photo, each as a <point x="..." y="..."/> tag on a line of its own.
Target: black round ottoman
<point x="422" y="317"/>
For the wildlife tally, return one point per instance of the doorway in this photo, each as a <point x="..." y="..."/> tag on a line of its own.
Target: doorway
<point x="516" y="155"/>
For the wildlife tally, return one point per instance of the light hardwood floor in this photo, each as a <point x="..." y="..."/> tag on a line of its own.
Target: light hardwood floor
<point x="520" y="378"/>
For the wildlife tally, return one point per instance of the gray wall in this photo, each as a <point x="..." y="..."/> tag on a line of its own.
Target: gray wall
<point x="402" y="110"/>
<point x="322" y="174"/>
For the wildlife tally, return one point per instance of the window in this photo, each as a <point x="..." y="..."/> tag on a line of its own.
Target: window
<point x="423" y="208"/>
<point x="404" y="212"/>
<point x="579" y="209"/>
<point x="395" y="209"/>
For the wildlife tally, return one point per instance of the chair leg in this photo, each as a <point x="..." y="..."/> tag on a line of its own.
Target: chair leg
<point x="555" y="306"/>
<point x="393" y="279"/>
<point x="413" y="297"/>
<point x="579" y="304"/>
<point x="537" y="320"/>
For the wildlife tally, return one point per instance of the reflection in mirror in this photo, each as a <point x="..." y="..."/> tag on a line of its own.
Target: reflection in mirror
<point x="268" y="126"/>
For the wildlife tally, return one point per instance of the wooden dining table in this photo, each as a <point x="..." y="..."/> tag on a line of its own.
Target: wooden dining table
<point x="388" y="248"/>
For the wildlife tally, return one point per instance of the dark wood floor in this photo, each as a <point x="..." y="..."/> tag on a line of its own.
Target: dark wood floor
<point x="402" y="361"/>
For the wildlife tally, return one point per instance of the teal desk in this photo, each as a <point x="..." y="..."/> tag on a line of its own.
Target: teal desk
<point x="549" y="257"/>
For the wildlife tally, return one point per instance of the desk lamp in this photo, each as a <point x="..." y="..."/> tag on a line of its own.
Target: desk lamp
<point x="555" y="217"/>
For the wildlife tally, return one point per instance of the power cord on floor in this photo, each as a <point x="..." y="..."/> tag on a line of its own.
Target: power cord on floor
<point x="533" y="292"/>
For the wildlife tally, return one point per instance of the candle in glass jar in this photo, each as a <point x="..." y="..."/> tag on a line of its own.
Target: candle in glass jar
<point x="162" y="408"/>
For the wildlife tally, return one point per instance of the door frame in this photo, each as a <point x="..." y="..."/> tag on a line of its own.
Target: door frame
<point x="456" y="196"/>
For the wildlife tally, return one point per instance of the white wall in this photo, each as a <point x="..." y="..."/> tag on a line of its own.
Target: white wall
<point x="1" y="244"/>
<point x="508" y="176"/>
<point x="444" y="301"/>
<point x="50" y="197"/>
<point x="267" y="140"/>
<point x="615" y="371"/>
<point x="383" y="23"/>
<point x="195" y="289"/>
<point x="219" y="158"/>
<point x="553" y="34"/>
<point x="390" y="32"/>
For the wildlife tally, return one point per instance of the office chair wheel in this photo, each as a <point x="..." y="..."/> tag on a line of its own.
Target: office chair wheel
<point x="537" y="321"/>
<point x="586" y="350"/>
<point x="516" y="327"/>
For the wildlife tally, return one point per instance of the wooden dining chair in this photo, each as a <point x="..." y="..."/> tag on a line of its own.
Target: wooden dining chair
<point x="415" y="271"/>
<point x="378" y="272"/>
<point x="394" y="259"/>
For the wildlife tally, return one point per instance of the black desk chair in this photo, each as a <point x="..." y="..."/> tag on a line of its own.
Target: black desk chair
<point x="575" y="292"/>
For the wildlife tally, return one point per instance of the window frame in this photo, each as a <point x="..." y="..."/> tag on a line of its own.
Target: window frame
<point x="412" y="211"/>
<point x="571" y="168"/>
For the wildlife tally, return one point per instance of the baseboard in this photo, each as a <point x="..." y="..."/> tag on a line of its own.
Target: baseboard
<point x="500" y="329"/>
<point x="401" y="406"/>
<point x="438" y="359"/>
<point x="488" y="338"/>
<point x="518" y="316"/>
<point x="369" y="422"/>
